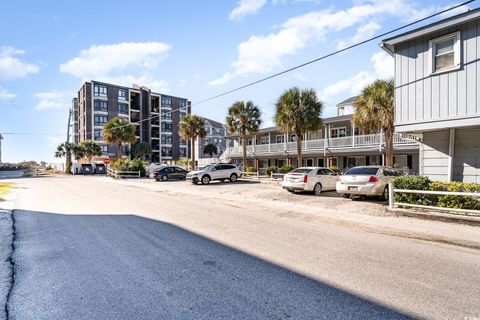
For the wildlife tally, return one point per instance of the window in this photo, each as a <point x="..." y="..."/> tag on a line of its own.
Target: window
<point x="125" y="150"/>
<point x="206" y="141"/>
<point x="371" y="171"/>
<point x="123" y="108"/>
<point x="104" y="148"/>
<point x="100" y="120"/>
<point x="166" y="152"/>
<point x="264" y="140"/>
<point x="183" y="152"/>
<point x="182" y="103"/>
<point x="166" y="127"/>
<point x="338" y="132"/>
<point x="99" y="105"/>
<point x="122" y="94"/>
<point x="166" y="101"/>
<point x="166" y="139"/>
<point x="445" y="53"/>
<point x="99" y="91"/>
<point x="166" y="115"/>
<point x="183" y="141"/>
<point x="280" y="139"/>
<point x="98" y="135"/>
<point x="293" y="138"/>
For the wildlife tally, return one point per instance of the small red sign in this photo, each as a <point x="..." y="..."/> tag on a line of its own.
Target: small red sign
<point x="106" y="161"/>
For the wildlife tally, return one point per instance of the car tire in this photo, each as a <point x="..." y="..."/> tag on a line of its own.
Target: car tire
<point x="222" y="180"/>
<point x="157" y="179"/>
<point x="317" y="189"/>
<point x="195" y="181"/>
<point x="206" y="179"/>
<point x="346" y="195"/>
<point x="233" y="177"/>
<point x="384" y="196"/>
<point x="164" y="178"/>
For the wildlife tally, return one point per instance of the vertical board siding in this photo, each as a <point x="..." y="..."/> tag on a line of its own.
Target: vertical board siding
<point x="434" y="159"/>
<point x="421" y="96"/>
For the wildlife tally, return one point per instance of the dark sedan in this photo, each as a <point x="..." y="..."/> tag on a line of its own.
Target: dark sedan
<point x="170" y="173"/>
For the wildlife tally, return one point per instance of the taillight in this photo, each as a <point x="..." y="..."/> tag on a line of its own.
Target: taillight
<point x="373" y="179"/>
<point x="305" y="178"/>
<point x="283" y="177"/>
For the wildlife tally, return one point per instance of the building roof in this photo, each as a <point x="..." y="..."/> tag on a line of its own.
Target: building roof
<point x="214" y="123"/>
<point x="347" y="102"/>
<point x="389" y="44"/>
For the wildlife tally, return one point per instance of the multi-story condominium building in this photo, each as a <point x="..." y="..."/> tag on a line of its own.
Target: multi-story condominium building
<point x="216" y="135"/>
<point x="437" y="94"/>
<point x="155" y="115"/>
<point x="338" y="144"/>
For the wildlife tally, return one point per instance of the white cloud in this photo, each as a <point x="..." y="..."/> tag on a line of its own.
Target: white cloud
<point x="245" y="8"/>
<point x="382" y="69"/>
<point x="5" y="95"/>
<point x="102" y="60"/>
<point x="53" y="100"/>
<point x="364" y="32"/>
<point x="160" y="86"/>
<point x="262" y="54"/>
<point x="11" y="67"/>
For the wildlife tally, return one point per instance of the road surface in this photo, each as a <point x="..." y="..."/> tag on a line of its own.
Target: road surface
<point x="88" y="248"/>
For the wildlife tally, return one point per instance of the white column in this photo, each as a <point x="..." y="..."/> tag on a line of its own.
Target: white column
<point x="451" y="154"/>
<point x="353" y="135"/>
<point x="269" y="142"/>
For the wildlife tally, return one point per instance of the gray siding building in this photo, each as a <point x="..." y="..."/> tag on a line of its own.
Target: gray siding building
<point x="216" y="135"/>
<point x="155" y="115"/>
<point x="437" y="94"/>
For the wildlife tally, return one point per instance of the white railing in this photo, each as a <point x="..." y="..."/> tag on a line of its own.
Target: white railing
<point x="122" y="174"/>
<point x="392" y="203"/>
<point x="367" y="139"/>
<point x="340" y="142"/>
<point x="276" y="176"/>
<point x="254" y="175"/>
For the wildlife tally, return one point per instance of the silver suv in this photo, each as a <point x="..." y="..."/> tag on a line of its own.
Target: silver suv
<point x="211" y="172"/>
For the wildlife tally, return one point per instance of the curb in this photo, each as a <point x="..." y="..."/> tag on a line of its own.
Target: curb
<point x="433" y="216"/>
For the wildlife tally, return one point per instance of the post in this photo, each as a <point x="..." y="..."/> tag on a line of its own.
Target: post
<point x="390" y="195"/>
<point x="353" y="135"/>
<point x="451" y="154"/>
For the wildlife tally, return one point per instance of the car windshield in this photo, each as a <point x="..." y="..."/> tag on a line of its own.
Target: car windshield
<point x="362" y="170"/>
<point x="209" y="167"/>
<point x="301" y="170"/>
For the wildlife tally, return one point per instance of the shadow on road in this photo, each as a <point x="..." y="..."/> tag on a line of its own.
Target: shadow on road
<point x="130" y="267"/>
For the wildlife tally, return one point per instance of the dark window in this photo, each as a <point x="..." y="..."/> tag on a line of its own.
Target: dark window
<point x="100" y="120"/>
<point x="166" y="101"/>
<point x="166" y="127"/>
<point x="166" y="139"/>
<point x="104" y="148"/>
<point x="324" y="172"/>
<point x="123" y="108"/>
<point x="122" y="94"/>
<point x="99" y="105"/>
<point x="98" y="134"/>
<point x="166" y="115"/>
<point x="99" y="91"/>
<point x="301" y="170"/>
<point x="182" y="103"/>
<point x="363" y="170"/>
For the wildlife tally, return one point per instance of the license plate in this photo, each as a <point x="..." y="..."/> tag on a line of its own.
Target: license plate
<point x="352" y="188"/>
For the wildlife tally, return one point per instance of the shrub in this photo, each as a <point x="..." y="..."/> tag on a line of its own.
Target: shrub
<point x="251" y="170"/>
<point x="456" y="202"/>
<point x="412" y="183"/>
<point x="133" y="165"/>
<point x="270" y="170"/>
<point x="335" y="169"/>
<point x="286" y="168"/>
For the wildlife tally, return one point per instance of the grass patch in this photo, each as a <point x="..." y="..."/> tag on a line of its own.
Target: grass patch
<point x="4" y="189"/>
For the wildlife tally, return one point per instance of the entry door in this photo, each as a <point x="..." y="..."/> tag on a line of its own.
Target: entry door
<point x="309" y="162"/>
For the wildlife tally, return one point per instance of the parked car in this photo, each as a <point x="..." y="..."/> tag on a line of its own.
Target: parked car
<point x="150" y="169"/>
<point x="311" y="179"/>
<point x="219" y="171"/>
<point x="366" y="181"/>
<point x="170" y="173"/>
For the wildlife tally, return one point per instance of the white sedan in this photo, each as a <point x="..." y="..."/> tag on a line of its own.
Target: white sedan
<point x="313" y="179"/>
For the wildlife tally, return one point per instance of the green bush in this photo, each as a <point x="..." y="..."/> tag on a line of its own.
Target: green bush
<point x="251" y="170"/>
<point x="133" y="165"/>
<point x="335" y="169"/>
<point x="286" y="168"/>
<point x="456" y="202"/>
<point x="270" y="170"/>
<point x="412" y="183"/>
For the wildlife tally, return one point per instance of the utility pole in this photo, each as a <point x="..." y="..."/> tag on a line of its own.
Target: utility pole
<point x="69" y="124"/>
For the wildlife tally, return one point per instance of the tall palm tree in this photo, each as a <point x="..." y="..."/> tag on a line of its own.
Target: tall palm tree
<point x="119" y="131"/>
<point x="244" y="118"/>
<point x="374" y="112"/>
<point x="298" y="111"/>
<point x="210" y="149"/>
<point x="65" y="150"/>
<point x="90" y="149"/>
<point x="142" y="149"/>
<point x="191" y="128"/>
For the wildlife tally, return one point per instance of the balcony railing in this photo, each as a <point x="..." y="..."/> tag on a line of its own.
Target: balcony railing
<point x="359" y="141"/>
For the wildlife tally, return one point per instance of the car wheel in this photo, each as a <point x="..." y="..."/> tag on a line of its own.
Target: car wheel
<point x="317" y="190"/>
<point x="205" y="179"/>
<point x="195" y="181"/>
<point x="157" y="179"/>
<point x="233" y="177"/>
<point x="346" y="195"/>
<point x="384" y="196"/>
<point x="164" y="178"/>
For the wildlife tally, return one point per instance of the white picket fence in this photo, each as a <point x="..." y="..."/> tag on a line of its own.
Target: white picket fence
<point x="122" y="174"/>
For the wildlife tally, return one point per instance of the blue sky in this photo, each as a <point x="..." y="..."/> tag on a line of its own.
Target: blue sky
<point x="193" y="49"/>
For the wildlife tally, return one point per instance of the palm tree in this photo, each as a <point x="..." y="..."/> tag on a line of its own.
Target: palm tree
<point x="243" y="118"/>
<point x="142" y="149"/>
<point x="374" y="113"/>
<point x="78" y="152"/>
<point x="90" y="149"/>
<point x="119" y="131"/>
<point x="191" y="128"/>
<point x="65" y="150"/>
<point x="298" y="111"/>
<point x="210" y="149"/>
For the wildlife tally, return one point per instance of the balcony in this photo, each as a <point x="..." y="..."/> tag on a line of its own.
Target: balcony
<point x="357" y="143"/>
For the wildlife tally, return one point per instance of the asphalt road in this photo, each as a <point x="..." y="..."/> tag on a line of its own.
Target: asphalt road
<point x="85" y="248"/>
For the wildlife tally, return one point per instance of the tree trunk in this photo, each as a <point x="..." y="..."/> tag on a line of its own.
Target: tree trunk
<point x="119" y="150"/>
<point x="389" y="147"/>
<point x="68" y="161"/>
<point x="244" y="147"/>
<point x="299" y="151"/>
<point x="193" y="154"/>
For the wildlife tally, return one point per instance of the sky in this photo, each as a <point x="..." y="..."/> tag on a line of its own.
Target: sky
<point x="192" y="49"/>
